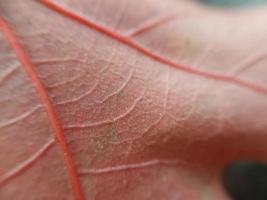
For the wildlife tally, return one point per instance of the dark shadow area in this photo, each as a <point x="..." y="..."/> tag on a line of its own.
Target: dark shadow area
<point x="246" y="180"/>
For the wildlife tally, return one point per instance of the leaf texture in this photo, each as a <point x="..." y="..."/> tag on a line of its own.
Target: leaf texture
<point x="118" y="99"/>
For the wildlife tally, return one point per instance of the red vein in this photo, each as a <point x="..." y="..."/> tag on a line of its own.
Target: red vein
<point x="59" y="134"/>
<point x="22" y="167"/>
<point x="150" y="24"/>
<point x="129" y="42"/>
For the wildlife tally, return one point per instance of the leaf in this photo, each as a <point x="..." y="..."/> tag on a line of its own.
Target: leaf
<point x="145" y="99"/>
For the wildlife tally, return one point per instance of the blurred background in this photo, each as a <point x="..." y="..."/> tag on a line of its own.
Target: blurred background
<point x="233" y="3"/>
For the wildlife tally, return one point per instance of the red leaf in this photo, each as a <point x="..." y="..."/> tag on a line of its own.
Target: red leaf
<point x="145" y="99"/>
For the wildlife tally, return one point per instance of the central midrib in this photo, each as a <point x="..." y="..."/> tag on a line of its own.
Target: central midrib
<point x="41" y="91"/>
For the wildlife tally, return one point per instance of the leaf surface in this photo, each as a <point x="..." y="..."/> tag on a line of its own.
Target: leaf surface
<point x="117" y="99"/>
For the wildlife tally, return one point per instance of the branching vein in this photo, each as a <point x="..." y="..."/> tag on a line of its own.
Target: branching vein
<point x="8" y="73"/>
<point x="22" y="167"/>
<point x="131" y="43"/>
<point x="129" y="167"/>
<point x="20" y="117"/>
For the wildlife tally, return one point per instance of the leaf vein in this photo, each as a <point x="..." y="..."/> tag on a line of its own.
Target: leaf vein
<point x="148" y="53"/>
<point x="52" y="116"/>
